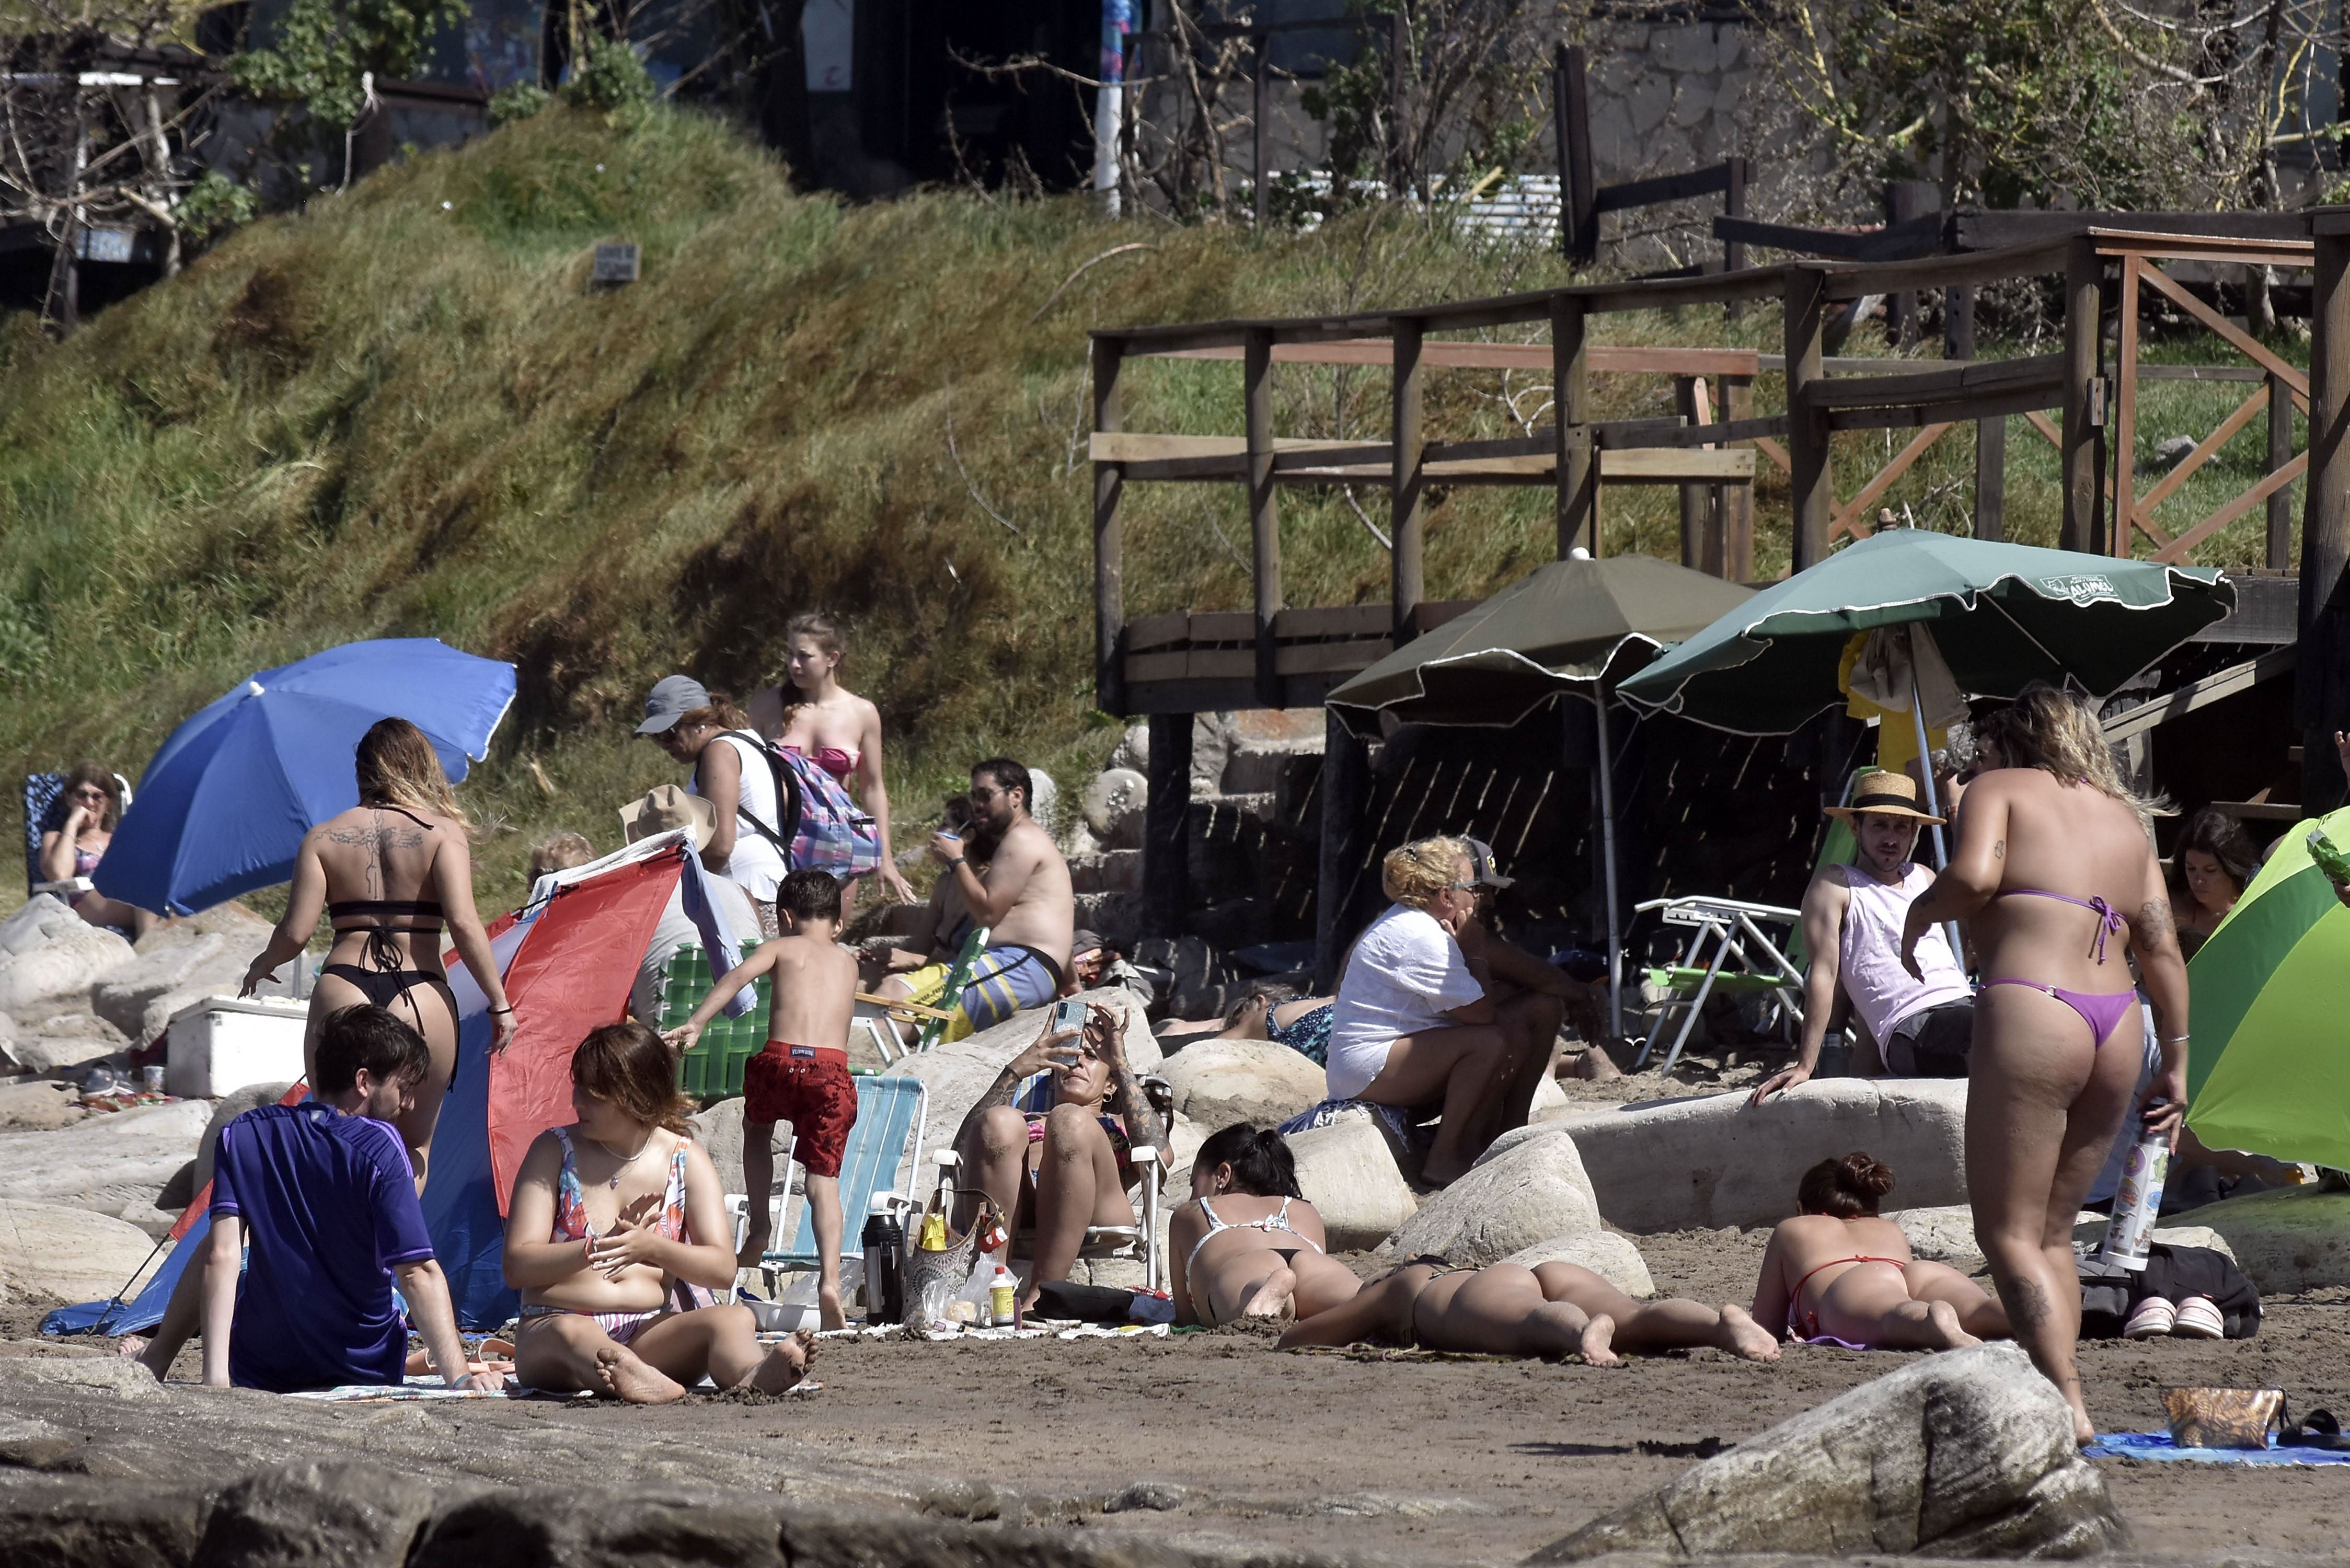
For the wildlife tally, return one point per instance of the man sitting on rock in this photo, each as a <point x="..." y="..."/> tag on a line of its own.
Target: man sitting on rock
<point x="325" y="1193"/>
<point x="1853" y="920"/>
<point x="1525" y="989"/>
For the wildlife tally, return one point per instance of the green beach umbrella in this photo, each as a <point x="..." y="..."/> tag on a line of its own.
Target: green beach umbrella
<point x="2001" y="615"/>
<point x="2269" y="1070"/>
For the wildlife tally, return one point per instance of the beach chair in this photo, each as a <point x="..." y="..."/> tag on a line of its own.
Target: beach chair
<point x="713" y="1069"/>
<point x="1139" y="1241"/>
<point x="931" y="1023"/>
<point x="1735" y="929"/>
<point x="44" y="813"/>
<point x="892" y="1114"/>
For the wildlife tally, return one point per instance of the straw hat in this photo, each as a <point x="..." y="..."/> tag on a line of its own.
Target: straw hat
<point x="1886" y="794"/>
<point x="665" y="809"/>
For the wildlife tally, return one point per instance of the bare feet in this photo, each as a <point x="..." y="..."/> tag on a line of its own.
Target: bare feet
<point x="2085" y="1431"/>
<point x="783" y="1366"/>
<point x="624" y="1376"/>
<point x="828" y="1308"/>
<point x="1949" y="1334"/>
<point x="1594" y="1065"/>
<point x="1598" y="1336"/>
<point x="1741" y="1335"/>
<point x="130" y="1345"/>
<point x="1276" y="1297"/>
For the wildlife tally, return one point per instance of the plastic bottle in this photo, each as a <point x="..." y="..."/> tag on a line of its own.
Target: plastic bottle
<point x="2329" y="857"/>
<point x="2130" y="1234"/>
<point x="1003" y="1295"/>
<point x="885" y="1254"/>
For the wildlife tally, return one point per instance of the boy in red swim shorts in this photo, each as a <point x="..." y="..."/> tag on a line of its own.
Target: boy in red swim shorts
<point x="802" y="1078"/>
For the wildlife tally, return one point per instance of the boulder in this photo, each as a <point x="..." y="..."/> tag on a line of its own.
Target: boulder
<point x="1044" y="805"/>
<point x="1184" y="1137"/>
<point x="39" y="1107"/>
<point x="719" y="1129"/>
<point x="1714" y="1161"/>
<point x="1612" y="1257"/>
<point x="64" y="1040"/>
<point x="358" y="1515"/>
<point x="1550" y="1101"/>
<point x="70" y="1253"/>
<point x="1531" y="1193"/>
<point x="1347" y="1170"/>
<point x="226" y="1109"/>
<point x="48" y="957"/>
<point x="1133" y="751"/>
<point x="107" y="1164"/>
<point x="1113" y="808"/>
<point x="1220" y="1082"/>
<point x="2294" y="1240"/>
<point x="1941" y="1235"/>
<point x="1966" y="1454"/>
<point x="205" y="964"/>
<point x="958" y="1074"/>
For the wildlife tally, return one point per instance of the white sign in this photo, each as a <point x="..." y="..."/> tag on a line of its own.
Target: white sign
<point x="828" y="37"/>
<point x="2081" y="588"/>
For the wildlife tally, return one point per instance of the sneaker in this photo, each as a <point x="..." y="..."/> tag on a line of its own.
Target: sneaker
<point x="2198" y="1318"/>
<point x="2154" y="1318"/>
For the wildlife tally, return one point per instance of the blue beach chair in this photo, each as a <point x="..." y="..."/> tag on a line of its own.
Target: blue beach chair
<point x="891" y="1117"/>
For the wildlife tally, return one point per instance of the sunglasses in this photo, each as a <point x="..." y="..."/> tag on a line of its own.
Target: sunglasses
<point x="90" y="791"/>
<point x="1463" y="887"/>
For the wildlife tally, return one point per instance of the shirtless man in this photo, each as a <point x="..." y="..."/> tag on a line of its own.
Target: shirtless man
<point x="802" y="1075"/>
<point x="1852" y="928"/>
<point x="1024" y="899"/>
<point x="2055" y="870"/>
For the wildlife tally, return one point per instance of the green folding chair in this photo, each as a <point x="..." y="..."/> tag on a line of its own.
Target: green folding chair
<point x="712" y="1068"/>
<point x="934" y="1030"/>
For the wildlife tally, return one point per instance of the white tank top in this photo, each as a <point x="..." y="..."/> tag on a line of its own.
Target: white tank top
<point x="756" y="865"/>
<point x="1882" y="991"/>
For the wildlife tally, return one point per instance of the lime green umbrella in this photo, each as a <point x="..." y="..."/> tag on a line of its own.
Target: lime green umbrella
<point x="2002" y="616"/>
<point x="2269" y="1070"/>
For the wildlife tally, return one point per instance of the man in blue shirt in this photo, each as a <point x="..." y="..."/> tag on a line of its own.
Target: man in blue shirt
<point x="325" y="1194"/>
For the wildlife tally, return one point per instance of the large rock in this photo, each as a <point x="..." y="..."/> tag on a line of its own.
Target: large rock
<point x="64" y="1040"/>
<point x="1220" y="1082"/>
<point x="1715" y="1161"/>
<point x="957" y="1075"/>
<point x="70" y="1253"/>
<point x="171" y="963"/>
<point x="349" y="1514"/>
<point x="39" y="1107"/>
<point x="1113" y="808"/>
<point x="2296" y="1239"/>
<point x="1612" y="1257"/>
<point x="1347" y="1170"/>
<point x="225" y="1109"/>
<point x="1967" y="1454"/>
<point x="1531" y="1193"/>
<point x="47" y="952"/>
<point x="115" y="1164"/>
<point x="719" y="1129"/>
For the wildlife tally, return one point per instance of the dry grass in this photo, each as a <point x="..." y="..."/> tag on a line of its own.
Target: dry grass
<point x="404" y="413"/>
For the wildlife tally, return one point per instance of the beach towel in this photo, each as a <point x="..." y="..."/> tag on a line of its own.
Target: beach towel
<point x="2158" y="1446"/>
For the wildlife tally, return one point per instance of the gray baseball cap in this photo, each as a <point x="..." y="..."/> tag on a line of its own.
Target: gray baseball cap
<point x="673" y="697"/>
<point x="1480" y="864"/>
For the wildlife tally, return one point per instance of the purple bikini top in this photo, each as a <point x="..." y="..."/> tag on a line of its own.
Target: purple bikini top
<point x="2109" y="919"/>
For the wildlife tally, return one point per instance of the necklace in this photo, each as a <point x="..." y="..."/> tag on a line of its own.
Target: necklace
<point x="626" y="1161"/>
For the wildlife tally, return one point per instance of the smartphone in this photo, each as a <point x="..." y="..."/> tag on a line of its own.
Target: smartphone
<point x="1069" y="1015"/>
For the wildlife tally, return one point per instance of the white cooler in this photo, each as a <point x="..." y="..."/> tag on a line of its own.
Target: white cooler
<point x="220" y="1044"/>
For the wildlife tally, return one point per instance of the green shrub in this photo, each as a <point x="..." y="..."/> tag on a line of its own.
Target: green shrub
<point x="517" y="101"/>
<point x="609" y="77"/>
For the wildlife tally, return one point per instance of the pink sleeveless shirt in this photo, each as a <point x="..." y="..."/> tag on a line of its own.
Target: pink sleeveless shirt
<point x="1882" y="991"/>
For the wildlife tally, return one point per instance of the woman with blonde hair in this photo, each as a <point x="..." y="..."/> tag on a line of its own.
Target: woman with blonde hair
<point x="2055" y="870"/>
<point x="1412" y="1026"/>
<point x="390" y="873"/>
<point x="813" y="714"/>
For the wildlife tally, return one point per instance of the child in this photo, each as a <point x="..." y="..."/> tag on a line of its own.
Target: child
<point x="802" y="1078"/>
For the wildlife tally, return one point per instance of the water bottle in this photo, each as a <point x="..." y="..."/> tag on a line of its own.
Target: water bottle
<point x="2130" y="1234"/>
<point x="2328" y="857"/>
<point x="885" y="1252"/>
<point x="1003" y="1295"/>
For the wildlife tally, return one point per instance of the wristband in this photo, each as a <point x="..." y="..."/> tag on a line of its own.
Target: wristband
<point x="495" y="1011"/>
<point x="956" y="864"/>
<point x="2173" y="1039"/>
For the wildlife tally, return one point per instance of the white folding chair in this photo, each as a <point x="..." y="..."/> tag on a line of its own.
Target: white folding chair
<point x="1734" y="928"/>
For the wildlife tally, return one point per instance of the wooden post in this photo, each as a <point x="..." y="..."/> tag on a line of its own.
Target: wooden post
<point x="1582" y="190"/>
<point x="1991" y="435"/>
<point x="1698" y="522"/>
<point x="1399" y="173"/>
<point x="1256" y="122"/>
<point x="1110" y="538"/>
<point x="2124" y="440"/>
<point x="1578" y="475"/>
<point x="1265" y="513"/>
<point x="1901" y="309"/>
<point x="1814" y="493"/>
<point x="2322" y="679"/>
<point x="1345" y="778"/>
<point x="1407" y="524"/>
<point x="1738" y="510"/>
<point x="1166" y="835"/>
<point x="1563" y="144"/>
<point x="2280" y="540"/>
<point x="2078" y="462"/>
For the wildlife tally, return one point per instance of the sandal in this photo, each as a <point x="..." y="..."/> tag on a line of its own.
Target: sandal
<point x="2154" y="1318"/>
<point x="2198" y="1318"/>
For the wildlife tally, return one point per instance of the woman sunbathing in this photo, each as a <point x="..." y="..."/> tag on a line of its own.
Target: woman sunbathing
<point x="1837" y="1273"/>
<point x="603" y="1241"/>
<point x="1551" y="1309"/>
<point x="1248" y="1244"/>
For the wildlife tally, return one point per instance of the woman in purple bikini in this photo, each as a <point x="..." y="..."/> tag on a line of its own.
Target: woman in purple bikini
<point x="2056" y="872"/>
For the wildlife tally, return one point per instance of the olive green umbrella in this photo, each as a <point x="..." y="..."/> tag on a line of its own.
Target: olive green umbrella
<point x="1577" y="627"/>
<point x="2002" y="616"/>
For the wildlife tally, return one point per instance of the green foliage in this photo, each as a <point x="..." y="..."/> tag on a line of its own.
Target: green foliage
<point x="609" y="77"/>
<point x="517" y="101"/>
<point x="215" y="203"/>
<point x="320" y="49"/>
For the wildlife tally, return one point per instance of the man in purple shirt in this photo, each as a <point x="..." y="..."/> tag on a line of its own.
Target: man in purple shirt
<point x="325" y="1194"/>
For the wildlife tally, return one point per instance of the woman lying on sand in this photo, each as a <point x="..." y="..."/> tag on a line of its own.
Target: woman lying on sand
<point x="1248" y="1244"/>
<point x="604" y="1239"/>
<point x="1552" y="1310"/>
<point x="1837" y="1272"/>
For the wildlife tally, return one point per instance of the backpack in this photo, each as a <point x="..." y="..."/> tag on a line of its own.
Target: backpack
<point x="823" y="828"/>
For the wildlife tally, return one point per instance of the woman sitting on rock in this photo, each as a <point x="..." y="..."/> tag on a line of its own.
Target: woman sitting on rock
<point x="1413" y="1027"/>
<point x="606" y="1242"/>
<point x="91" y="807"/>
<point x="1838" y="1274"/>
<point x="1553" y="1310"/>
<point x="2216" y="862"/>
<point x="1248" y="1244"/>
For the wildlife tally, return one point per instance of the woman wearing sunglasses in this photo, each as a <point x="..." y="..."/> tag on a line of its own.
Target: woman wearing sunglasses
<point x="93" y="805"/>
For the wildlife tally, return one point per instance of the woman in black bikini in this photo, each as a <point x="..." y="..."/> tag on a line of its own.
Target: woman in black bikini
<point x="1838" y="1273"/>
<point x="2053" y="869"/>
<point x="389" y="872"/>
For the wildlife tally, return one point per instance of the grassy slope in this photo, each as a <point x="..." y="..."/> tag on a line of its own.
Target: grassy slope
<point x="403" y="412"/>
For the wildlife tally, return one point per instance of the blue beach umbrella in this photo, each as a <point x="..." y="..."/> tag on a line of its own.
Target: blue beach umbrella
<point x="222" y="807"/>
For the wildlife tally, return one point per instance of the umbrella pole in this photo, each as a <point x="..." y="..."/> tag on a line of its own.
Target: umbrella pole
<point x="1933" y="803"/>
<point x="1608" y="866"/>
